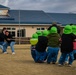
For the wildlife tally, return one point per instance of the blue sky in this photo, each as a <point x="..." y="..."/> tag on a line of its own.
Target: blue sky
<point x="55" y="6"/>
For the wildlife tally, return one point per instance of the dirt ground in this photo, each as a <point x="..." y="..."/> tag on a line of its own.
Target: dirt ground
<point x="22" y="64"/>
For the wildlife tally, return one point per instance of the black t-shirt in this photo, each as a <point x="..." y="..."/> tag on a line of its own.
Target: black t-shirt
<point x="2" y="37"/>
<point x="9" y="37"/>
<point x="67" y="43"/>
<point x="42" y="44"/>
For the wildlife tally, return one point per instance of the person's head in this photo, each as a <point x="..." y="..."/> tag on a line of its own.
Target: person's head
<point x="39" y="33"/>
<point x="74" y="29"/>
<point x="45" y="32"/>
<point x="35" y="35"/>
<point x="67" y="29"/>
<point x="4" y="30"/>
<point x="53" y="30"/>
<point x="54" y="23"/>
<point x="71" y="24"/>
<point x="34" y="39"/>
<point x="7" y="33"/>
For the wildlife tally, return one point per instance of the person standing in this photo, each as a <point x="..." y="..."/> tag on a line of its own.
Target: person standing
<point x="67" y="46"/>
<point x="41" y="47"/>
<point x="53" y="45"/>
<point x="74" y="42"/>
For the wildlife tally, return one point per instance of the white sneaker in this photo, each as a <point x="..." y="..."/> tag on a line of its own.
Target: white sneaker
<point x="66" y="63"/>
<point x="69" y="65"/>
<point x="4" y="52"/>
<point x="13" y="52"/>
<point x="60" y="65"/>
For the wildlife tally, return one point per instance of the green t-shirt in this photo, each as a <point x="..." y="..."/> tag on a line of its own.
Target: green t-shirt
<point x="53" y="40"/>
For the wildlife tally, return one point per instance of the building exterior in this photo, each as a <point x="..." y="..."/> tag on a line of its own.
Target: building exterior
<point x="27" y="21"/>
<point x="23" y="23"/>
<point x="63" y="18"/>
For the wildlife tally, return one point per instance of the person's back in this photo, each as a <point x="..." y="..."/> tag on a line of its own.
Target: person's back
<point x="53" y="40"/>
<point x="67" y="46"/>
<point x="53" y="45"/>
<point x="42" y="43"/>
<point x="74" y="42"/>
<point x="67" y="43"/>
<point x="41" y="46"/>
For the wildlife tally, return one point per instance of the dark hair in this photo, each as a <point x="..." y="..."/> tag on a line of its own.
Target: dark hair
<point x="4" y="29"/>
<point x="71" y="24"/>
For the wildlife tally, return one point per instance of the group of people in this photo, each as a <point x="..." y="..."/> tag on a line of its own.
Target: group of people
<point x="6" y="39"/>
<point x="46" y="44"/>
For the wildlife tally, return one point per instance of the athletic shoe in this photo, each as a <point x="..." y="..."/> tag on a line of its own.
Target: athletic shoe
<point x="69" y="65"/>
<point x="60" y="64"/>
<point x="53" y="62"/>
<point x="13" y="52"/>
<point x="4" y="52"/>
<point x="66" y="63"/>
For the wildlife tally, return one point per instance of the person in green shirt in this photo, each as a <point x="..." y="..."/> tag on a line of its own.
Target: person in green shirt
<point x="53" y="45"/>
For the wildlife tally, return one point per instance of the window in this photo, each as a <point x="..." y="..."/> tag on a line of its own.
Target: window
<point x="8" y="28"/>
<point x="13" y="28"/>
<point x="21" y="33"/>
<point x="18" y="33"/>
<point x="12" y="33"/>
<point x="42" y="28"/>
<point x="38" y="28"/>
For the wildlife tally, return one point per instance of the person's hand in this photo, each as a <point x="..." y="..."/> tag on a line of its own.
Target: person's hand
<point x="60" y="39"/>
<point x="74" y="39"/>
<point x="5" y="41"/>
<point x="8" y="39"/>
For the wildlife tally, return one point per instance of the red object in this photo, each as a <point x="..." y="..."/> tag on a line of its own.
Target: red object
<point x="74" y="45"/>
